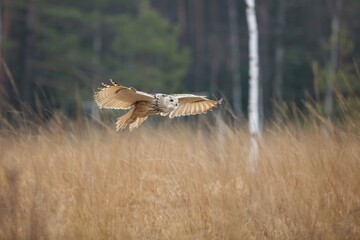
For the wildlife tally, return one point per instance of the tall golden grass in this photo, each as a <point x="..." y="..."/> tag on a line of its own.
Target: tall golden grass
<point x="178" y="182"/>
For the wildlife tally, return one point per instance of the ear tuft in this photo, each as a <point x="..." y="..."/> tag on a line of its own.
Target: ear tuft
<point x="113" y="82"/>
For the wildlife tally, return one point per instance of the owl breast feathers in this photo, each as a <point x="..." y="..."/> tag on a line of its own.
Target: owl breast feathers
<point x="142" y="105"/>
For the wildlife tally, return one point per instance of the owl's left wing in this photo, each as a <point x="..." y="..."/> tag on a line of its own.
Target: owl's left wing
<point x="116" y="96"/>
<point x="190" y="104"/>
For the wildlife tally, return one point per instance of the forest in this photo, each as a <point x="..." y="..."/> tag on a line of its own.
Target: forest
<point x="278" y="158"/>
<point x="56" y="53"/>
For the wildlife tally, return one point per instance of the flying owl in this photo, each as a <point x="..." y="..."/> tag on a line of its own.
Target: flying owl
<point x="142" y="105"/>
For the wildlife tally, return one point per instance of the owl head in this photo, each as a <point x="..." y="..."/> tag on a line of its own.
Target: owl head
<point x="170" y="102"/>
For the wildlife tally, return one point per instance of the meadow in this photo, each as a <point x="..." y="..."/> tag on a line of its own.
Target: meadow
<point x="84" y="181"/>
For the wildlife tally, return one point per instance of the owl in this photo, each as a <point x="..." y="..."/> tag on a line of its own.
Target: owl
<point x="142" y="105"/>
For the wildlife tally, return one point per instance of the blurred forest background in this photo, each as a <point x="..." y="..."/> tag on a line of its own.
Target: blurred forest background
<point x="54" y="54"/>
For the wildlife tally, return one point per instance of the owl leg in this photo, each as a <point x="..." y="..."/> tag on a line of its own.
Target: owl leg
<point x="124" y="120"/>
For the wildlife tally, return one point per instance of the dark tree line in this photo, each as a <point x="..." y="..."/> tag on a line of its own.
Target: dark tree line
<point x="53" y="51"/>
<point x="294" y="37"/>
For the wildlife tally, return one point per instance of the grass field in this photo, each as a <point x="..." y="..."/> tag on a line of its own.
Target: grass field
<point x="176" y="182"/>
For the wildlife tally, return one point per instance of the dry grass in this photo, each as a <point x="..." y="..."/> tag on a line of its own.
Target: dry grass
<point x="177" y="183"/>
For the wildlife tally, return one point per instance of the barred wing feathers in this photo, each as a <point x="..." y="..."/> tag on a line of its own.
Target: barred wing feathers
<point x="119" y="97"/>
<point x="190" y="104"/>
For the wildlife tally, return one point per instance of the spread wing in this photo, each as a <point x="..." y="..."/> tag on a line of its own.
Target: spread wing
<point x="119" y="97"/>
<point x="190" y="104"/>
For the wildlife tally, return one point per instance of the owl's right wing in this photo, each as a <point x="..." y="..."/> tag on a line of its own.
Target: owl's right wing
<point x="190" y="104"/>
<point x="119" y="97"/>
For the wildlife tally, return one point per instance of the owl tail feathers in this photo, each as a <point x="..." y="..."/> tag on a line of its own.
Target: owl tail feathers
<point x="127" y="119"/>
<point x="124" y="120"/>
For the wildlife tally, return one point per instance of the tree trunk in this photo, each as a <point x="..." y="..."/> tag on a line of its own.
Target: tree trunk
<point x="264" y="60"/>
<point x="95" y="114"/>
<point x="25" y="70"/>
<point x="6" y="96"/>
<point x="5" y="22"/>
<point x="0" y="37"/>
<point x="2" y="84"/>
<point x="215" y="45"/>
<point x="181" y="12"/>
<point x="253" y="82"/>
<point x="199" y="41"/>
<point x="335" y="26"/>
<point x="235" y="57"/>
<point x="279" y="50"/>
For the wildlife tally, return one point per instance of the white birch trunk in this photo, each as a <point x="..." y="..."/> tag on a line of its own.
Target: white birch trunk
<point x="253" y="82"/>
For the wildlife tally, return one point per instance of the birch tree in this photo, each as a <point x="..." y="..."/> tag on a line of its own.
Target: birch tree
<point x="335" y="26"/>
<point x="253" y="82"/>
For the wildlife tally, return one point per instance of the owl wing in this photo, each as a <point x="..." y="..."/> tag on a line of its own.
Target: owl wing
<point x="190" y="104"/>
<point x="119" y="97"/>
